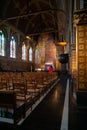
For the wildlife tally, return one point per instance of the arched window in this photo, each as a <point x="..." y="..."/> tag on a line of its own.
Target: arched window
<point x="2" y="44"/>
<point x="30" y="54"/>
<point x="37" y="56"/>
<point x="12" y="47"/>
<point x="23" y="52"/>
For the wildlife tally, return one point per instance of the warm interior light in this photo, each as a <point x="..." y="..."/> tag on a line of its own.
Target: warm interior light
<point x="28" y="37"/>
<point x="63" y="43"/>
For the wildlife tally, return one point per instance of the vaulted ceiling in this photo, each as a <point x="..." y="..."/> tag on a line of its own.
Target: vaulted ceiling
<point x="30" y="16"/>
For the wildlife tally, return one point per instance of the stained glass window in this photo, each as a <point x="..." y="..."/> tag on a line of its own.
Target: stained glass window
<point x="12" y="47"/>
<point x="23" y="52"/>
<point x="37" y="56"/>
<point x="2" y="44"/>
<point x="30" y="54"/>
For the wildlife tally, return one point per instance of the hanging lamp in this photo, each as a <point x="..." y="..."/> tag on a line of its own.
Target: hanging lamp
<point x="62" y="43"/>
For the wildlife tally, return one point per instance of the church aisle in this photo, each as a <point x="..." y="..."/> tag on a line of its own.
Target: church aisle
<point x="47" y="116"/>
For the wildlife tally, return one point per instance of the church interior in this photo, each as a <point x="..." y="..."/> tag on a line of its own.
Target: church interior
<point x="34" y="36"/>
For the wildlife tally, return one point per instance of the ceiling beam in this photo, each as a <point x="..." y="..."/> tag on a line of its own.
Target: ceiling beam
<point x="31" y="13"/>
<point x="38" y="33"/>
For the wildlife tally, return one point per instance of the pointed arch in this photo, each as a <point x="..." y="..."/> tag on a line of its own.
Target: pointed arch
<point x="12" y="47"/>
<point x="38" y="55"/>
<point x="2" y="43"/>
<point x="30" y="54"/>
<point x="23" y="52"/>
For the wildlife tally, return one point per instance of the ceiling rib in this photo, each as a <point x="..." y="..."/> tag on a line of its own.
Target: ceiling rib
<point x="26" y="15"/>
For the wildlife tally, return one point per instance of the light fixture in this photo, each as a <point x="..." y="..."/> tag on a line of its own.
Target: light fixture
<point x="62" y="42"/>
<point x="28" y="37"/>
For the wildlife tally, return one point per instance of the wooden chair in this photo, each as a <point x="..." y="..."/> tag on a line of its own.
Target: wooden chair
<point x="3" y="84"/>
<point x="19" y="86"/>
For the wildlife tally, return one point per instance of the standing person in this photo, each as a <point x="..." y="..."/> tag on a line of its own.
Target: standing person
<point x="51" y="69"/>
